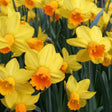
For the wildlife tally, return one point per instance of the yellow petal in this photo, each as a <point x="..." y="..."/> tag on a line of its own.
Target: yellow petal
<point x="78" y="42"/>
<point x="71" y="58"/>
<point x="47" y="54"/>
<point x="3" y="72"/>
<point x="24" y="32"/>
<point x="11" y="99"/>
<point x="83" y="55"/>
<point x="105" y="41"/>
<point x="30" y="100"/>
<point x="13" y="22"/>
<point x="71" y="85"/>
<point x="57" y="76"/>
<point x="87" y="95"/>
<point x="73" y="66"/>
<point x="83" y="85"/>
<point x="19" y="47"/>
<point x="83" y="32"/>
<point x="3" y="43"/>
<point x="31" y="107"/>
<point x="96" y="34"/>
<point x="24" y="88"/>
<point x="55" y="62"/>
<point x="65" y="53"/>
<point x="82" y="102"/>
<point x="22" y="75"/>
<point x="31" y="60"/>
<point x="12" y="66"/>
<point x="4" y="102"/>
<point x="41" y="35"/>
<point x="97" y="61"/>
<point x="68" y="4"/>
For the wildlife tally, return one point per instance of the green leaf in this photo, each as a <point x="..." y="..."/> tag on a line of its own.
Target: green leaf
<point x="105" y="91"/>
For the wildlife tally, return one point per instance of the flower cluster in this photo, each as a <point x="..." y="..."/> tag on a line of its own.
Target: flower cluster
<point x="43" y="65"/>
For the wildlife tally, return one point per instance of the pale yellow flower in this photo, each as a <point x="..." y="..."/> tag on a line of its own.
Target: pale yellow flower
<point x="70" y="63"/>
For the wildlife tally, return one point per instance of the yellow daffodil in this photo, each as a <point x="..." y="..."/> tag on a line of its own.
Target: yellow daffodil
<point x="78" y="93"/>
<point x="21" y="102"/>
<point x="14" y="79"/>
<point x="13" y="34"/>
<point x="5" y="2"/>
<point x="108" y="56"/>
<point x="95" y="46"/>
<point x="37" y="43"/>
<point x="30" y="3"/>
<point x="51" y="7"/>
<point x="7" y="10"/>
<point x="76" y="11"/>
<point x="70" y="63"/>
<point x="94" y="11"/>
<point x="107" y="60"/>
<point x="46" y="67"/>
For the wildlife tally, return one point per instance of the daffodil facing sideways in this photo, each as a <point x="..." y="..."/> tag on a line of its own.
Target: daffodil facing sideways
<point x="21" y="102"/>
<point x="5" y="2"/>
<point x="107" y="60"/>
<point x="76" y="11"/>
<point x="70" y="63"/>
<point x="46" y="67"/>
<point x="37" y="43"/>
<point x="12" y="78"/>
<point x="7" y="9"/>
<point x="30" y="3"/>
<point x="51" y="7"/>
<point x="13" y="34"/>
<point x="78" y="93"/>
<point x="108" y="56"/>
<point x="95" y="46"/>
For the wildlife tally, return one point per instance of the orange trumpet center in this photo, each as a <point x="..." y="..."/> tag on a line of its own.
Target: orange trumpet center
<point x="76" y="17"/>
<point x="36" y="44"/>
<point x="5" y="2"/>
<point x="41" y="79"/>
<point x="96" y="50"/>
<point x="29" y="3"/>
<point x="7" y="86"/>
<point x="50" y="8"/>
<point x="20" y="108"/>
<point x="107" y="60"/>
<point x="64" y="67"/>
<point x="9" y="38"/>
<point x="73" y="102"/>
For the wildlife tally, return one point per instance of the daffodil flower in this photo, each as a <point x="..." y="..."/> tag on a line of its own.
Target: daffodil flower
<point x="12" y="78"/>
<point x="78" y="93"/>
<point x="37" y="43"/>
<point x="30" y="3"/>
<point x="46" y="67"/>
<point x="13" y="34"/>
<point x="70" y="63"/>
<point x="95" y="46"/>
<point x="21" y="102"/>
